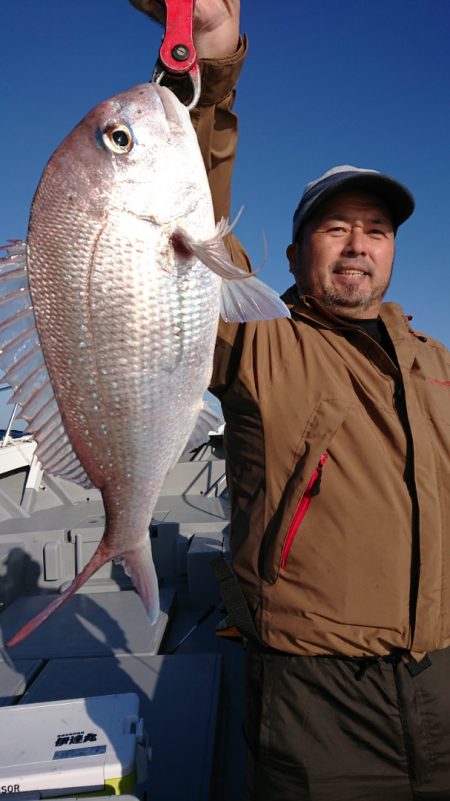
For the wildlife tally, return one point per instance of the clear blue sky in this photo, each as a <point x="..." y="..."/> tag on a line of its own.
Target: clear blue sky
<point x="325" y="83"/>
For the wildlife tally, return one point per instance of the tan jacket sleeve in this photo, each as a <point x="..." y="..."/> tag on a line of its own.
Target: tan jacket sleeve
<point x="216" y="124"/>
<point x="217" y="131"/>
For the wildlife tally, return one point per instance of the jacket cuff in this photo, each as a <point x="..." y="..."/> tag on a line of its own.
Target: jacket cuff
<point x="219" y="76"/>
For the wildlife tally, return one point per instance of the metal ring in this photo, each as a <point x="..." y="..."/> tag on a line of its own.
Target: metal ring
<point x="158" y="76"/>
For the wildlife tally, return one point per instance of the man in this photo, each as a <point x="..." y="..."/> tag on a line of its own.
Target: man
<point x="338" y="443"/>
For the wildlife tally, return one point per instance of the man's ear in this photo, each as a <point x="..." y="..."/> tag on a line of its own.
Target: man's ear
<point x="291" y="253"/>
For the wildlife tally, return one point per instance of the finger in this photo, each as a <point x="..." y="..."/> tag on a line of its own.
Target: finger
<point x="155" y="9"/>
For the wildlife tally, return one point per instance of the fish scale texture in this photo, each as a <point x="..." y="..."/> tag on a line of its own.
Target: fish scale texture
<point x="116" y="350"/>
<point x="114" y="321"/>
<point x="127" y="327"/>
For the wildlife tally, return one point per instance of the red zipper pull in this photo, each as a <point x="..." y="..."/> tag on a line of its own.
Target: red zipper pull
<point x="315" y="488"/>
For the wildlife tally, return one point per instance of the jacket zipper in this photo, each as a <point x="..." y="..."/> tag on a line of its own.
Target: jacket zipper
<point x="312" y="489"/>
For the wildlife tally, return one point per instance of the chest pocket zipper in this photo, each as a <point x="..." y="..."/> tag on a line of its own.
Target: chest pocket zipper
<point x="312" y="489"/>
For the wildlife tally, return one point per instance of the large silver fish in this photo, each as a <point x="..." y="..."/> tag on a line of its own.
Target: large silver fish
<point x="109" y="313"/>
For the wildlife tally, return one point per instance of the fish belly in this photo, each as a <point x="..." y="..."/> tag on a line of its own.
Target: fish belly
<point x="128" y="331"/>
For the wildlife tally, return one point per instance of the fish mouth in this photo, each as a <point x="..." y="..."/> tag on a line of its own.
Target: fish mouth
<point x="173" y="108"/>
<point x="149" y="99"/>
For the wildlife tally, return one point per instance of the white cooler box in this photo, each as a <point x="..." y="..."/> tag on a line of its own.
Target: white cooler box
<point x="72" y="747"/>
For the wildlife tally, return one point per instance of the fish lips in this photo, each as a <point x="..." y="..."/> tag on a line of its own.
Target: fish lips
<point x="177" y="114"/>
<point x="157" y="101"/>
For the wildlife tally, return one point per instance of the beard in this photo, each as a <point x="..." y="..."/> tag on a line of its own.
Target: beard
<point x="339" y="299"/>
<point x="353" y="298"/>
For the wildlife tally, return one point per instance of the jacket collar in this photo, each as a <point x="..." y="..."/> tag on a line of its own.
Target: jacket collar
<point x="391" y="314"/>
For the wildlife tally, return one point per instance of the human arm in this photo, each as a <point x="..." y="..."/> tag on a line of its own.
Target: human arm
<point x="216" y="126"/>
<point x="221" y="52"/>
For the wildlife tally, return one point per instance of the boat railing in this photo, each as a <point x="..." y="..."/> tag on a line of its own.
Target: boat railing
<point x="7" y="434"/>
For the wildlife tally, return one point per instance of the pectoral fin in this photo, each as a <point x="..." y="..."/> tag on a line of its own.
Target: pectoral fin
<point x="250" y="300"/>
<point x="244" y="297"/>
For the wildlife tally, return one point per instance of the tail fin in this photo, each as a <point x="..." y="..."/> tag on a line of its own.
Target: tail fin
<point x="138" y="565"/>
<point x="100" y="558"/>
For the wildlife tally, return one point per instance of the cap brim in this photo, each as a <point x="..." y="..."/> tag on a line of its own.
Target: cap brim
<point x="397" y="198"/>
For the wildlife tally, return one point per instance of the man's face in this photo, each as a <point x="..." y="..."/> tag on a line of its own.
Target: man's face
<point x="345" y="254"/>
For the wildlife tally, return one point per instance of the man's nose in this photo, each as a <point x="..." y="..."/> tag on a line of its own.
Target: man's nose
<point x="355" y="244"/>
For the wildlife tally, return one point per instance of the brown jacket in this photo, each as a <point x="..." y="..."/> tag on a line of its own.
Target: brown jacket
<point x="338" y="459"/>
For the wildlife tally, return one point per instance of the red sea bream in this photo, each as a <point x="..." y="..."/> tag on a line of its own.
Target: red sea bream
<point x="109" y="313"/>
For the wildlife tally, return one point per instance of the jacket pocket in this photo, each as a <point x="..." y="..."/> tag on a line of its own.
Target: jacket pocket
<point x="312" y="489"/>
<point x="322" y="425"/>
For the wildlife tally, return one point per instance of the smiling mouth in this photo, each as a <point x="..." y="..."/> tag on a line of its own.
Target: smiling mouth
<point x="350" y="272"/>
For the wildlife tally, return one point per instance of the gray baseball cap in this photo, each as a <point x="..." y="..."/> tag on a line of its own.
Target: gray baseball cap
<point x="395" y="195"/>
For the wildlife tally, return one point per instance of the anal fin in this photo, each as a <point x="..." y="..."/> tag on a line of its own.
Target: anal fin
<point x="207" y="420"/>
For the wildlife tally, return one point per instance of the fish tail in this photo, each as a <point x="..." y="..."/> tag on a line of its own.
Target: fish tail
<point x="138" y="565"/>
<point x="100" y="557"/>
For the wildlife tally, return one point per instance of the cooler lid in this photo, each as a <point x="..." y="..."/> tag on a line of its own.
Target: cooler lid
<point x="77" y="743"/>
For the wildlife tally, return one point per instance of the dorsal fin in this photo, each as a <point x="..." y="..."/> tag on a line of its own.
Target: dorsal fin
<point x="22" y="361"/>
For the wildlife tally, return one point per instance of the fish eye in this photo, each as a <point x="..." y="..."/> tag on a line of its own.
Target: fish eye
<point x="118" y="138"/>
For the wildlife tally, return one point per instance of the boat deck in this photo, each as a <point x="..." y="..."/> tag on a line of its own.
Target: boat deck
<point x="189" y="680"/>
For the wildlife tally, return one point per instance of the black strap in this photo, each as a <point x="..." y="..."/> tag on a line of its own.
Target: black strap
<point x="364" y="662"/>
<point x="234" y="599"/>
<point x="414" y="667"/>
<point x="394" y="658"/>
